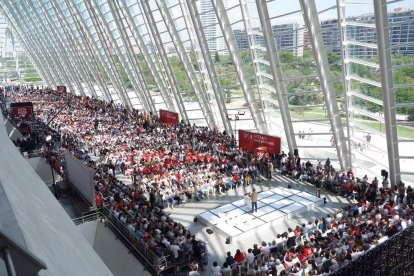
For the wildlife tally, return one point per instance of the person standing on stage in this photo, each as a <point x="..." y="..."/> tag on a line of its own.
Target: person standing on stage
<point x="253" y="197"/>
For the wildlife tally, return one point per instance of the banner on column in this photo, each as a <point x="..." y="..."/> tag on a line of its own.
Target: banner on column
<point x="61" y="88"/>
<point x="168" y="117"/>
<point x="250" y="141"/>
<point x="22" y="110"/>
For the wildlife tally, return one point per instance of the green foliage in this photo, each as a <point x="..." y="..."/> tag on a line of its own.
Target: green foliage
<point x="32" y="79"/>
<point x="288" y="57"/>
<point x="217" y="57"/>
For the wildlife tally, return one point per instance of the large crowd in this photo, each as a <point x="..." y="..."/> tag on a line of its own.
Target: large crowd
<point x="171" y="164"/>
<point x="167" y="164"/>
<point x="323" y="245"/>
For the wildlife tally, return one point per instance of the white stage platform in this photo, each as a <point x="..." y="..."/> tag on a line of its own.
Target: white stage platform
<point x="235" y="220"/>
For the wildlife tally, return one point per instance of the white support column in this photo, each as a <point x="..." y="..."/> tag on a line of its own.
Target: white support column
<point x="114" y="74"/>
<point x="163" y="54"/>
<point x="218" y="92"/>
<point x="29" y="51"/>
<point x="276" y="73"/>
<point x="81" y="55"/>
<point x="166" y="98"/>
<point x="188" y="67"/>
<point x="57" y="50"/>
<point x="66" y="51"/>
<point x="101" y="22"/>
<point x="345" y="73"/>
<point x="52" y="47"/>
<point x="136" y="67"/>
<point x="310" y="16"/>
<point x="387" y="85"/>
<point x="88" y="44"/>
<point x="33" y="39"/>
<point x="253" y="54"/>
<point x="33" y="48"/>
<point x="253" y="103"/>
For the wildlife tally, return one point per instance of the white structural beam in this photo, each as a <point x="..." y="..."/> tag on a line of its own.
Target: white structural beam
<point x="384" y="54"/>
<point x="76" y="48"/>
<point x="253" y="104"/>
<point x="310" y="16"/>
<point x="65" y="50"/>
<point x="28" y="10"/>
<point x="345" y="73"/>
<point x="29" y="49"/>
<point x="218" y="92"/>
<point x="276" y="73"/>
<point x="164" y="59"/>
<point x="107" y="39"/>
<point x="29" y="32"/>
<point x="188" y="67"/>
<point x="106" y="58"/>
<point x="99" y="23"/>
<point x="135" y="67"/>
<point x="92" y="54"/>
<point x="57" y="50"/>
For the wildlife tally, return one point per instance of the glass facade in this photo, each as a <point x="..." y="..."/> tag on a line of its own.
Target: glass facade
<point x="333" y="78"/>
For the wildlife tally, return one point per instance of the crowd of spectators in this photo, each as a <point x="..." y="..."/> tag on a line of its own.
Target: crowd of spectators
<point x="166" y="163"/>
<point x="176" y="163"/>
<point x="322" y="246"/>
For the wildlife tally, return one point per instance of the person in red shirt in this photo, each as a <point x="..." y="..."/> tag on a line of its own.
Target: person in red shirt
<point x="307" y="251"/>
<point x="98" y="201"/>
<point x="239" y="257"/>
<point x="236" y="179"/>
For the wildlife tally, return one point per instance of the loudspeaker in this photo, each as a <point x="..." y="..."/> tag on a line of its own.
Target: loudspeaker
<point x="228" y="240"/>
<point x="195" y="219"/>
<point x="295" y="152"/>
<point x="384" y="173"/>
<point x="209" y="231"/>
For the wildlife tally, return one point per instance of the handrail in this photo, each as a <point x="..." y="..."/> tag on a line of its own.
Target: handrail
<point x="8" y="261"/>
<point x="152" y="263"/>
<point x="10" y="248"/>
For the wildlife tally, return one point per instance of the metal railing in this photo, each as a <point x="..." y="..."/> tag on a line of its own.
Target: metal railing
<point x="8" y="261"/>
<point x="152" y="263"/>
<point x="18" y="260"/>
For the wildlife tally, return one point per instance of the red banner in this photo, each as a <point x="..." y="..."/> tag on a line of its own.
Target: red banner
<point x="250" y="141"/>
<point x="22" y="112"/>
<point x="168" y="117"/>
<point x="61" y="88"/>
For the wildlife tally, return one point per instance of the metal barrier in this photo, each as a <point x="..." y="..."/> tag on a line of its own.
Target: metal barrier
<point x="18" y="260"/>
<point x="394" y="257"/>
<point x="152" y="263"/>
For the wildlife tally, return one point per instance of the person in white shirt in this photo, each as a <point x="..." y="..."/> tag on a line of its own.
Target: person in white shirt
<point x="165" y="241"/>
<point x="226" y="270"/>
<point x="175" y="248"/>
<point x="215" y="269"/>
<point x="264" y="267"/>
<point x="279" y="266"/>
<point x="250" y="256"/>
<point x="265" y="251"/>
<point x="194" y="272"/>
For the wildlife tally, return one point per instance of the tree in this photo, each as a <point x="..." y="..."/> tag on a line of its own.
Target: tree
<point x="288" y="57"/>
<point x="217" y="57"/>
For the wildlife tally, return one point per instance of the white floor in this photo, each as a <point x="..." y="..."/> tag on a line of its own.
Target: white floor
<point x="216" y="241"/>
<point x="235" y="220"/>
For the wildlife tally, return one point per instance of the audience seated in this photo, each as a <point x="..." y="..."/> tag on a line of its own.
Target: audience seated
<point x="183" y="162"/>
